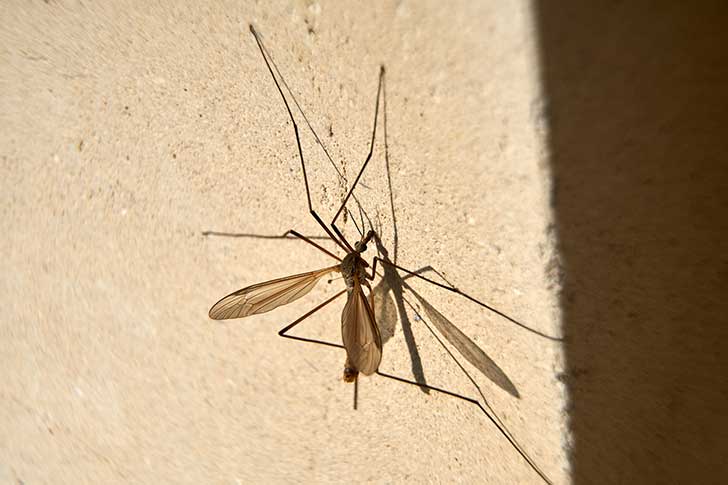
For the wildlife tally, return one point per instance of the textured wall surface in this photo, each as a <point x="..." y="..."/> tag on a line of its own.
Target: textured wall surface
<point x="129" y="128"/>
<point x="638" y="111"/>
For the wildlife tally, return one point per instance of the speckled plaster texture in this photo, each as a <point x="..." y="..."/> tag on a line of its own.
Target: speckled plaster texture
<point x="130" y="128"/>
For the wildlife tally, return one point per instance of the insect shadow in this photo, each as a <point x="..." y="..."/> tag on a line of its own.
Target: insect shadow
<point x="389" y="292"/>
<point x="392" y="291"/>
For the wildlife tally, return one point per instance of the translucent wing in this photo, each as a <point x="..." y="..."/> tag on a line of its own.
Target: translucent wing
<point x="264" y="297"/>
<point x="360" y="333"/>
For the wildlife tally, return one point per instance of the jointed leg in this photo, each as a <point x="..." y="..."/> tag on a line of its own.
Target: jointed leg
<point x="369" y="155"/>
<point x="282" y="332"/>
<point x="296" y="234"/>
<point x="430" y="268"/>
<point x="259" y="236"/>
<point x="495" y="422"/>
<point x="353" y="219"/>
<point x="344" y="245"/>
<point x="285" y="235"/>
<point x="465" y="295"/>
<point x="310" y="127"/>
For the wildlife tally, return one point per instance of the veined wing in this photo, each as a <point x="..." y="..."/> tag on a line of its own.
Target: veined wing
<point x="264" y="297"/>
<point x="360" y="333"/>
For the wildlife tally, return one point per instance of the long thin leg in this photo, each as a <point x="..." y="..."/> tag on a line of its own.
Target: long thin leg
<point x="282" y="332"/>
<point x="344" y="245"/>
<point x="477" y="403"/>
<point x="429" y="268"/>
<point x="395" y="234"/>
<point x="342" y="177"/>
<point x="369" y="155"/>
<point x="303" y="115"/>
<point x="359" y="230"/>
<point x="356" y="391"/>
<point x="465" y="295"/>
<point x="462" y="369"/>
<point x="304" y="238"/>
<point x="260" y="236"/>
<point x="290" y="232"/>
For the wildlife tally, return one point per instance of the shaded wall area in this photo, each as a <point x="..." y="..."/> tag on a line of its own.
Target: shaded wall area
<point x="638" y="111"/>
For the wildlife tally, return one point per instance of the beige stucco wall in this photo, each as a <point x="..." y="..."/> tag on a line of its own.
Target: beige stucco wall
<point x="130" y="128"/>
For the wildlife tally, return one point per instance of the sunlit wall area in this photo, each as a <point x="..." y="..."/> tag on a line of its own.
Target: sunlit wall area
<point x="138" y="137"/>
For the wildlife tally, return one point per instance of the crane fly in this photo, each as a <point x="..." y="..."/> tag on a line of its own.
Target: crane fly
<point x="360" y="333"/>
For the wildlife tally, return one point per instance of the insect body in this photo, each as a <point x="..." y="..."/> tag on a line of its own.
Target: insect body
<point x="359" y="331"/>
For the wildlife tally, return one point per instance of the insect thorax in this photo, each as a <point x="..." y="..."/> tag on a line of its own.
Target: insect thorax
<point x="350" y="266"/>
